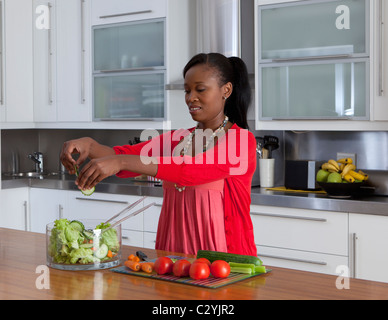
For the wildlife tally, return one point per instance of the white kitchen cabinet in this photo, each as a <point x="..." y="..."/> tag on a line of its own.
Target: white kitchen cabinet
<point x="15" y="209"/>
<point x="73" y="61"/>
<point x="369" y="247"/>
<point x="45" y="71"/>
<point x="16" y="88"/>
<point x="303" y="239"/>
<point x="103" y="206"/>
<point x="301" y="260"/>
<point x="376" y="73"/>
<point x="117" y="11"/>
<point x="62" y="61"/>
<point x="151" y="220"/>
<point x="132" y="238"/>
<point x="379" y="90"/>
<point x="46" y="205"/>
<point x="151" y="216"/>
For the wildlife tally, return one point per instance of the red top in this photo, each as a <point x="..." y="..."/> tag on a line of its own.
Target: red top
<point x="233" y="159"/>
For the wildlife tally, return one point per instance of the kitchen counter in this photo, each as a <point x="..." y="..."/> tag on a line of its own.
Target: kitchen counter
<point x="375" y="205"/>
<point x="22" y="253"/>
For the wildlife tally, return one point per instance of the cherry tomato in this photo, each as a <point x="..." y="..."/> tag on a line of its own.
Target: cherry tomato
<point x="204" y="260"/>
<point x="220" y="269"/>
<point x="199" y="270"/>
<point x="181" y="268"/>
<point x="163" y="265"/>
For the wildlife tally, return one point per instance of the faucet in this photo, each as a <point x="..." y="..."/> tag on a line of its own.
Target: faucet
<point x="37" y="157"/>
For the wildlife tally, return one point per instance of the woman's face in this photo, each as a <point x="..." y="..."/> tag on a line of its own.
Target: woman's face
<point x="204" y="96"/>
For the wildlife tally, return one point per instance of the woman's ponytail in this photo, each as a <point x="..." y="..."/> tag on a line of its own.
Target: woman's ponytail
<point x="236" y="107"/>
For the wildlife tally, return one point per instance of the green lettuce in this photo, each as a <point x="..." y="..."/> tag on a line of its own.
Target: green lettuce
<point x="109" y="237"/>
<point x="84" y="256"/>
<point x="67" y="245"/>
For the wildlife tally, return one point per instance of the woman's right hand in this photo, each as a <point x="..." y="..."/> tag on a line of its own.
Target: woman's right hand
<point x="78" y="146"/>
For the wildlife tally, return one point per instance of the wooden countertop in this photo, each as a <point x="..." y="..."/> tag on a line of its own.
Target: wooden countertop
<point x="22" y="252"/>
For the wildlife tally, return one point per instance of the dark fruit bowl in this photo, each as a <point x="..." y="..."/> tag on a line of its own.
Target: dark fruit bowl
<point x="342" y="190"/>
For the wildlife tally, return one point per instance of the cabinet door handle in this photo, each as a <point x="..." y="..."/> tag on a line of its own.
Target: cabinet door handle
<point x="125" y="14"/>
<point x="321" y="263"/>
<point x="60" y="211"/>
<point x="49" y="60"/>
<point x="25" y="216"/>
<point x="381" y="48"/>
<point x="354" y="255"/>
<point x="102" y="200"/>
<point x="83" y="51"/>
<point x="288" y="217"/>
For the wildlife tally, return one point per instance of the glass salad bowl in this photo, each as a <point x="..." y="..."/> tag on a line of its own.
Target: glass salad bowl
<point x="82" y="245"/>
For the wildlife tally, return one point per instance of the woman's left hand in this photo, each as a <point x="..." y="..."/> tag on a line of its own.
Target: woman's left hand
<point x="97" y="170"/>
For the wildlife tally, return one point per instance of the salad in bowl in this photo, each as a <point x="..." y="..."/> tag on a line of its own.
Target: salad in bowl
<point x="82" y="245"/>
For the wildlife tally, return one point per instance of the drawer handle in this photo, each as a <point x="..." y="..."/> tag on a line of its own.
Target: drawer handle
<point x="321" y="263"/>
<point x="125" y="237"/>
<point x="288" y="217"/>
<point x="102" y="200"/>
<point x="125" y="14"/>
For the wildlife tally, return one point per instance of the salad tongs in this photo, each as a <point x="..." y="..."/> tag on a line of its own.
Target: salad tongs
<point x="129" y="216"/>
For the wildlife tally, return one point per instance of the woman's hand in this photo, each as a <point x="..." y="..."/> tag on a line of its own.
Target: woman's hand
<point x="80" y="146"/>
<point x="97" y="170"/>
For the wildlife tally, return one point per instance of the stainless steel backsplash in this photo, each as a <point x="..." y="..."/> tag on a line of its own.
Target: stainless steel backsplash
<point x="371" y="148"/>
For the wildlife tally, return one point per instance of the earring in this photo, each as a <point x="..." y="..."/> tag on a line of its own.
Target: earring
<point x="225" y="98"/>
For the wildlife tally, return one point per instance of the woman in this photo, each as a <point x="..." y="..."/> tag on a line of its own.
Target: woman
<point x="206" y="171"/>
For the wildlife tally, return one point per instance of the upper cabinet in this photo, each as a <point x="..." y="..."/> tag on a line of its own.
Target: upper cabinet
<point x="79" y="63"/>
<point x="116" y="11"/>
<point x="16" y="64"/>
<point x="315" y="61"/>
<point x="129" y="80"/>
<point x="61" y="61"/>
<point x="379" y="90"/>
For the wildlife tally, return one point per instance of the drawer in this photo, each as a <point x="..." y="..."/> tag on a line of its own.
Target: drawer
<point x="301" y="260"/>
<point x="116" y="11"/>
<point x="132" y="238"/>
<point x="103" y="206"/>
<point x="151" y="216"/>
<point x="304" y="230"/>
<point x="149" y="240"/>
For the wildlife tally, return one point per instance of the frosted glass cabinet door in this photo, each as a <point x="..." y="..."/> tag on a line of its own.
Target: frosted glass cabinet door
<point x="314" y="28"/>
<point x="129" y="46"/>
<point x="129" y="96"/>
<point x="324" y="90"/>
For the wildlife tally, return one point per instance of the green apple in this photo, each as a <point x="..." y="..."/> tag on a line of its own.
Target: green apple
<point x="322" y="175"/>
<point x="334" y="177"/>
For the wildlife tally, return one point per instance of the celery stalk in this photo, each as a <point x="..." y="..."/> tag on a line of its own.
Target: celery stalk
<point x="241" y="270"/>
<point x="260" y="269"/>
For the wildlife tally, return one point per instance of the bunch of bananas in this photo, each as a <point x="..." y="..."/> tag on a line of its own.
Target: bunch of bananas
<point x="344" y="169"/>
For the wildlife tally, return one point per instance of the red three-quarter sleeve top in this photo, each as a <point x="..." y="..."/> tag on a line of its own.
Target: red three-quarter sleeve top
<point x="232" y="159"/>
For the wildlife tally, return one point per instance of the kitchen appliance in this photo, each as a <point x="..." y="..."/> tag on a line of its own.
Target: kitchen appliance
<point x="301" y="174"/>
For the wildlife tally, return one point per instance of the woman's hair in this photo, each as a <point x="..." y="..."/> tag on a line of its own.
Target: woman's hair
<point x="231" y="70"/>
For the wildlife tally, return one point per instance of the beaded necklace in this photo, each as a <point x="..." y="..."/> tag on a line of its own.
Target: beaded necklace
<point x="210" y="139"/>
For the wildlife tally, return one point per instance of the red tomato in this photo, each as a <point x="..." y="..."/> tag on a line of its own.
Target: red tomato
<point x="204" y="260"/>
<point x="199" y="270"/>
<point x="220" y="269"/>
<point x="181" y="268"/>
<point x="163" y="265"/>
